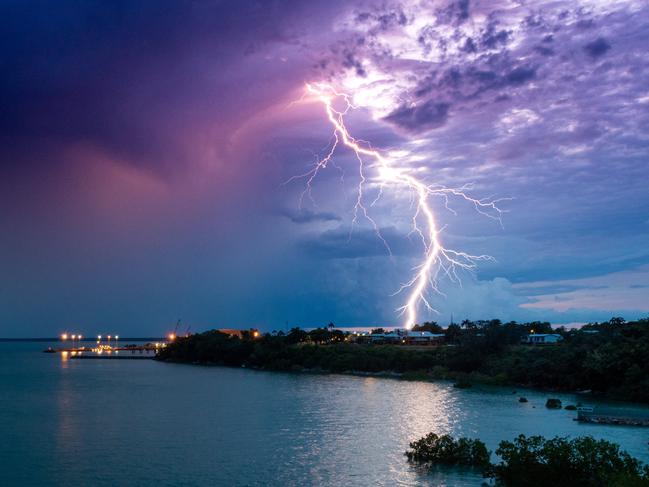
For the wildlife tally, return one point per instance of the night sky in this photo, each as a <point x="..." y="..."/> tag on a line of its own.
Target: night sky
<point x="146" y="146"/>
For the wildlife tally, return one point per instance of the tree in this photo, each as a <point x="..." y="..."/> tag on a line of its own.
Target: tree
<point x="453" y="333"/>
<point x="320" y="335"/>
<point x="444" y="450"/>
<point x="468" y="325"/>
<point x="537" y="462"/>
<point x="296" y="335"/>
<point x="581" y="462"/>
<point x="430" y="326"/>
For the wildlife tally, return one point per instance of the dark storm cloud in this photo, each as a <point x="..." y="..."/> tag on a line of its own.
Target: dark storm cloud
<point x="305" y="215"/>
<point x="520" y="75"/>
<point x="142" y="80"/>
<point x="456" y="12"/>
<point x="120" y="123"/>
<point x="383" y="19"/>
<point x="339" y="243"/>
<point x="597" y="48"/>
<point x="493" y="37"/>
<point x="418" y="118"/>
<point x="534" y="290"/>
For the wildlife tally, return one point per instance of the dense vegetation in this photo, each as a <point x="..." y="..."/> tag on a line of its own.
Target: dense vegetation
<point x="537" y="462"/>
<point x="607" y="358"/>
<point x="444" y="450"/>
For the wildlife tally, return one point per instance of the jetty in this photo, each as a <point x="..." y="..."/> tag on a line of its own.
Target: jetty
<point x="138" y="352"/>
<point x="604" y="415"/>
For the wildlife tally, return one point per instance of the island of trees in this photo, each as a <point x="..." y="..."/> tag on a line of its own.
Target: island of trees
<point x="535" y="461"/>
<point x="608" y="358"/>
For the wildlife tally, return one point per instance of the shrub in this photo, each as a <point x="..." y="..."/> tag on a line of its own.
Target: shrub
<point x="444" y="450"/>
<point x="553" y="403"/>
<point x="580" y="462"/>
<point x="537" y="462"/>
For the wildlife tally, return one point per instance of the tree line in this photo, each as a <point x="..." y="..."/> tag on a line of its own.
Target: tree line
<point x="607" y="358"/>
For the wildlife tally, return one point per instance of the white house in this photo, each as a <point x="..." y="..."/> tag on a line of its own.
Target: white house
<point x="542" y="338"/>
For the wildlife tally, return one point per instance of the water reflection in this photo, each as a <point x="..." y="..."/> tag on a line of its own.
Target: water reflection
<point x="68" y="435"/>
<point x="78" y="419"/>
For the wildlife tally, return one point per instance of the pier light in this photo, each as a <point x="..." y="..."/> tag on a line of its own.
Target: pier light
<point x="64" y="336"/>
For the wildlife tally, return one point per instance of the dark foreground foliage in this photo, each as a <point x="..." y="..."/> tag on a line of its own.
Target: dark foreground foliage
<point x="537" y="462"/>
<point x="580" y="462"/>
<point x="607" y="358"/>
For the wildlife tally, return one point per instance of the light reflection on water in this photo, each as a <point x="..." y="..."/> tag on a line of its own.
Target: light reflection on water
<point x="125" y="422"/>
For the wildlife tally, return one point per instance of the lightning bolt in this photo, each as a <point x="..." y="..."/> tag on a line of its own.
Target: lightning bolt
<point x="438" y="261"/>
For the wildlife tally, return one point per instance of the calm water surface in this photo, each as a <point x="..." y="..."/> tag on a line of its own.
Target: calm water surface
<point x="123" y="422"/>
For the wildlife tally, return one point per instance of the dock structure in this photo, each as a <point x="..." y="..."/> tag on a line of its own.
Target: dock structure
<point x="603" y="415"/>
<point x="114" y="356"/>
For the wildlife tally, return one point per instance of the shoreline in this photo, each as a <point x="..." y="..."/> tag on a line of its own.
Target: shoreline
<point x="404" y="376"/>
<point x="584" y="362"/>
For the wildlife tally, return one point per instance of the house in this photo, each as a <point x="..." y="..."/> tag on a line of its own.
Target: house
<point x="542" y="338"/>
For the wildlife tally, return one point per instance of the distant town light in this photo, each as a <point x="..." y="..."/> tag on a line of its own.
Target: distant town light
<point x="255" y="334"/>
<point x="172" y="337"/>
<point x="64" y="336"/>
